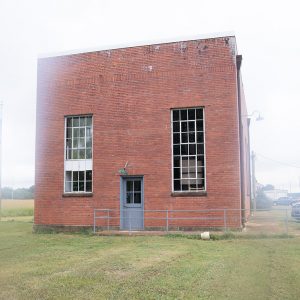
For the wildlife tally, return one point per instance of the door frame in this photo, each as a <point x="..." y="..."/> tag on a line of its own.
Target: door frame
<point x="122" y="196"/>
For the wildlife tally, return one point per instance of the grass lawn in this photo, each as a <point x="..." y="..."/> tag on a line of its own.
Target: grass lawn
<point x="66" y="266"/>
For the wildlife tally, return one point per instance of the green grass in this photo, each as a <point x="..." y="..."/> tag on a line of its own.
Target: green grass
<point x="17" y="212"/>
<point x="66" y="266"/>
<point x="17" y="207"/>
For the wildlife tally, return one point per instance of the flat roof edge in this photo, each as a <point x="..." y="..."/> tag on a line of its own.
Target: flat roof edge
<point x="139" y="44"/>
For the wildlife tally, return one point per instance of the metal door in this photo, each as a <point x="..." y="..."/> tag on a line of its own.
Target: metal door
<point x="132" y="203"/>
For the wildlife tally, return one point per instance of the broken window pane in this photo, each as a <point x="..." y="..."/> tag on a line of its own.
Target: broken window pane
<point x="200" y="184"/>
<point x="200" y="161"/>
<point x="185" y="172"/>
<point x="185" y="161"/>
<point x="200" y="172"/>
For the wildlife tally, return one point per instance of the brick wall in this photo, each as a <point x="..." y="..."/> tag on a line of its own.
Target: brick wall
<point x="130" y="93"/>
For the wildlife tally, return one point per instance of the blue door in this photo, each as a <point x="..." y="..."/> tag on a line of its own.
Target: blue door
<point x="132" y="203"/>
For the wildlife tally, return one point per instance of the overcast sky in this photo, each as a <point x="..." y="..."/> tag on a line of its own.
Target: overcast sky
<point x="267" y="36"/>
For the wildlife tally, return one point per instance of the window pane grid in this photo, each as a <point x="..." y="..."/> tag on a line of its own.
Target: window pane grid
<point x="79" y="137"/>
<point x="188" y="149"/>
<point x="78" y="181"/>
<point x="133" y="192"/>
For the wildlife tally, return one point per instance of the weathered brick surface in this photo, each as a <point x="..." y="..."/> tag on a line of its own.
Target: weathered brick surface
<point x="130" y="93"/>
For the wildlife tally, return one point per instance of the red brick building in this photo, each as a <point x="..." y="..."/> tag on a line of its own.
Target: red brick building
<point x="152" y="136"/>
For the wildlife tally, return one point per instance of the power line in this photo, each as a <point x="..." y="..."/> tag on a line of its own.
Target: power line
<point x="277" y="161"/>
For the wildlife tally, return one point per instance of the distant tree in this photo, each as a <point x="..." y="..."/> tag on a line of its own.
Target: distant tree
<point x="32" y="189"/>
<point x="262" y="201"/>
<point x="19" y="193"/>
<point x="6" y="192"/>
<point x="268" y="187"/>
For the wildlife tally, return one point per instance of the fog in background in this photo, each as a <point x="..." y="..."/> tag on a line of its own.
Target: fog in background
<point x="267" y="36"/>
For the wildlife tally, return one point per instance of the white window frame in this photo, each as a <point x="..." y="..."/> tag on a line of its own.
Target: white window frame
<point x="84" y="180"/>
<point x="188" y="155"/>
<point x="79" y="164"/>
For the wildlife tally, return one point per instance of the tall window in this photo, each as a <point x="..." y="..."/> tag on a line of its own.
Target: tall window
<point x="78" y="154"/>
<point x="79" y="138"/>
<point x="188" y="150"/>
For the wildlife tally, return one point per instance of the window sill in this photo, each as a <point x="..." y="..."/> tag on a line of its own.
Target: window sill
<point x="189" y="194"/>
<point x="77" y="195"/>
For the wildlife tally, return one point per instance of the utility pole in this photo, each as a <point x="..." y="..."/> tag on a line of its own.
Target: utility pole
<point x="253" y="181"/>
<point x="1" y="106"/>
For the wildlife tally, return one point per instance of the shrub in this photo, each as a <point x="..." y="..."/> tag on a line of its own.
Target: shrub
<point x="262" y="201"/>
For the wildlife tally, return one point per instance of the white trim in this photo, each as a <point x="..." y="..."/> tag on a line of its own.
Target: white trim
<point x="172" y="156"/>
<point x="76" y="165"/>
<point x="140" y="43"/>
<point x="196" y="155"/>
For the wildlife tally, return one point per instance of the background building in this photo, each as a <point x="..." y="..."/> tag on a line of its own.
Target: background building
<point x="276" y="194"/>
